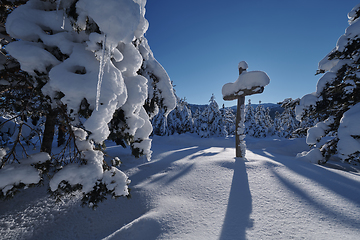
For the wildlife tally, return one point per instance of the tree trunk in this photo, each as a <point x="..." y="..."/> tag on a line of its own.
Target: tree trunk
<point x="49" y="131"/>
<point x="61" y="135"/>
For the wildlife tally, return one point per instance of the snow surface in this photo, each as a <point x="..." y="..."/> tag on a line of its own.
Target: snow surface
<point x="195" y="189"/>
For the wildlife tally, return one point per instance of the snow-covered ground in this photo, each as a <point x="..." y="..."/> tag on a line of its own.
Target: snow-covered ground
<point x="196" y="189"/>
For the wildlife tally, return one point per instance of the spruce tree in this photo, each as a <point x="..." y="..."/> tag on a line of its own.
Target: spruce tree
<point x="210" y="121"/>
<point x="228" y="119"/>
<point x="160" y="123"/>
<point x="261" y="129"/>
<point x="337" y="93"/>
<point x="196" y="119"/>
<point x="22" y="105"/>
<point x="288" y="122"/>
<point x="183" y="114"/>
<point x="277" y="124"/>
<point x="250" y="122"/>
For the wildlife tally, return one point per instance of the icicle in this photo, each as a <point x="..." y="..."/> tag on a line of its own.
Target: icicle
<point x="58" y="2"/>
<point x="63" y="23"/>
<point x="101" y="73"/>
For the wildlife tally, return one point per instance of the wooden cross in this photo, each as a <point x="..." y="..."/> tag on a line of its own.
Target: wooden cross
<point x="240" y="96"/>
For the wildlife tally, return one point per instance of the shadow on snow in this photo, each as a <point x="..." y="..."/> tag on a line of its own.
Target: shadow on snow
<point x="239" y="207"/>
<point x="336" y="183"/>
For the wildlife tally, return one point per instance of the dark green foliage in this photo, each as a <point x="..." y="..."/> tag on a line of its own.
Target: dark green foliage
<point x="17" y="188"/>
<point x="11" y="193"/>
<point x="136" y="152"/>
<point x="91" y="199"/>
<point x="85" y="110"/>
<point x="117" y="128"/>
<point x="63" y="190"/>
<point x="97" y="195"/>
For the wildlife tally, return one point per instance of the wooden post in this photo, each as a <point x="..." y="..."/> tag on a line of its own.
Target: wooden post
<point x="240" y="96"/>
<point x="240" y="108"/>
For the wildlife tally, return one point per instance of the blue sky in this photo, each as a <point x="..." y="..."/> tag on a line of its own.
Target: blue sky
<point x="201" y="42"/>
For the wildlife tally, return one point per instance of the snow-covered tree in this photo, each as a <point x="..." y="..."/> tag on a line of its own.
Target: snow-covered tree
<point x="180" y="119"/>
<point x="306" y="123"/>
<point x="160" y="100"/>
<point x="277" y="123"/>
<point x="196" y="119"/>
<point x="269" y="122"/>
<point x="22" y="104"/>
<point x="228" y="119"/>
<point x="250" y="122"/>
<point x="336" y="100"/>
<point x="187" y="123"/>
<point x="287" y="123"/>
<point x="92" y="61"/>
<point x="203" y="127"/>
<point x="211" y="121"/>
<point x="159" y="123"/>
<point x="261" y="130"/>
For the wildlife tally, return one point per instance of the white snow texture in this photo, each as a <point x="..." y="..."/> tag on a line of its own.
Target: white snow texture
<point x="195" y="189"/>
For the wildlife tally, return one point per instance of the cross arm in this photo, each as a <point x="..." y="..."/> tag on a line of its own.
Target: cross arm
<point x="243" y="93"/>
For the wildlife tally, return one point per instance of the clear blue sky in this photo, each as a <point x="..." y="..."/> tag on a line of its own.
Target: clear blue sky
<point x="201" y="42"/>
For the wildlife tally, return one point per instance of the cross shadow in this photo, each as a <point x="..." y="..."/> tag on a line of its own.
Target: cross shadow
<point x="237" y="217"/>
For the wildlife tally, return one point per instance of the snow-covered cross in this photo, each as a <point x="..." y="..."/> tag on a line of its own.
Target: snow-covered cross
<point x="247" y="84"/>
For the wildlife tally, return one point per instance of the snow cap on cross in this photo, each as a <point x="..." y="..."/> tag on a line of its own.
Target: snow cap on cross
<point x="243" y="65"/>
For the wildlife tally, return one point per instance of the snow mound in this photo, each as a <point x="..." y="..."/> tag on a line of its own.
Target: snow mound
<point x="313" y="156"/>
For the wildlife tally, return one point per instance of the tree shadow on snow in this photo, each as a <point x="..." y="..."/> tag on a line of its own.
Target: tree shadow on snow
<point x="336" y="183"/>
<point x="165" y="155"/>
<point x="158" y="167"/>
<point x="204" y="154"/>
<point x="237" y="217"/>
